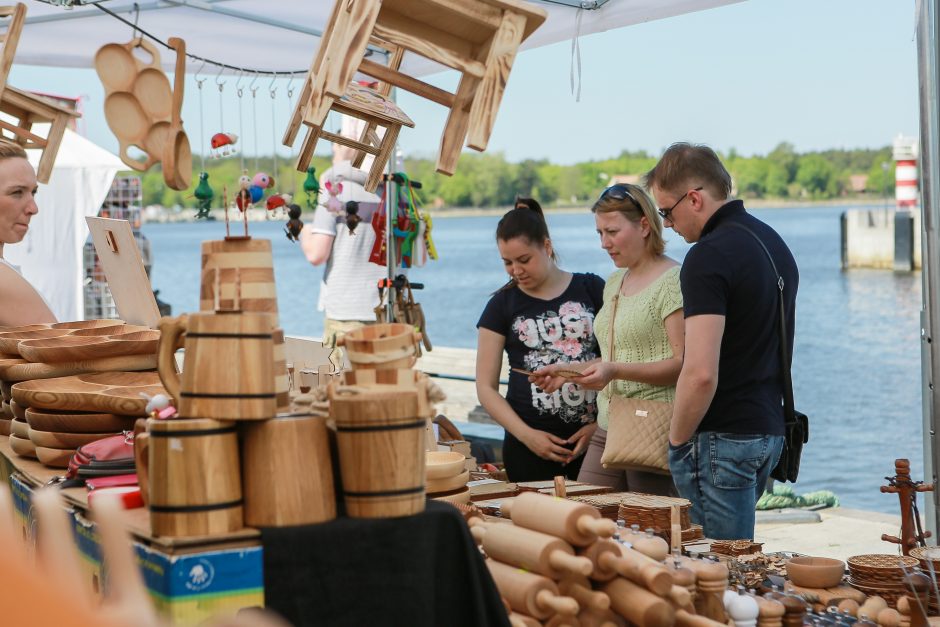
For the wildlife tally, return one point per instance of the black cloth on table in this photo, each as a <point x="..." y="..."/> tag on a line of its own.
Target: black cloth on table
<point x="418" y="570"/>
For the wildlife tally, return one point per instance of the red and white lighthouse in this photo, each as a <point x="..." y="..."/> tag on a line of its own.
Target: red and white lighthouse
<point x="905" y="177"/>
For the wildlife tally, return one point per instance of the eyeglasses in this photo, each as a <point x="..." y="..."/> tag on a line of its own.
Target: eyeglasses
<point x="666" y="214"/>
<point x="620" y="192"/>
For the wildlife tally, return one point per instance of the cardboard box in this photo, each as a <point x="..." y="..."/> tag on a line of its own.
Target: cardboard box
<point x="187" y="585"/>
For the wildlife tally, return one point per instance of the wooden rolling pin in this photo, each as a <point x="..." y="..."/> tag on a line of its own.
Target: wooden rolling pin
<point x="579" y="589"/>
<point x="607" y="618"/>
<point x="562" y="620"/>
<point x="531" y="550"/>
<point x="684" y="618"/>
<point x="530" y="594"/>
<point x="611" y="559"/>
<point x="576" y="523"/>
<point x="651" y="546"/>
<point x="638" y="605"/>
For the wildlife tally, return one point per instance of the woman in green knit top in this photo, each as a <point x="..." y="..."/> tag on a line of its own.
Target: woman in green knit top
<point x="648" y="332"/>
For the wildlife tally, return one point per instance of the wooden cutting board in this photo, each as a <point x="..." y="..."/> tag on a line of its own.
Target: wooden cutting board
<point x="27" y="370"/>
<point x="71" y="348"/>
<point x="110" y="392"/>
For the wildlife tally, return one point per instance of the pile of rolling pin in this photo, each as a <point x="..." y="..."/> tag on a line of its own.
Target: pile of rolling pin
<point x="559" y="563"/>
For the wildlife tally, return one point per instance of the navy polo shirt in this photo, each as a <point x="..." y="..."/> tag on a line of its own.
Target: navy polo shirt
<point x="727" y="273"/>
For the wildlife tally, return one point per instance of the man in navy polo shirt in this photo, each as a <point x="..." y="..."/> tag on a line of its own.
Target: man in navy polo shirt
<point x="727" y="427"/>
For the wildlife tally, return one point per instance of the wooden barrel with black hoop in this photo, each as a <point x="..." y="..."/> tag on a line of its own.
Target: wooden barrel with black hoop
<point x="228" y="370"/>
<point x="281" y="378"/>
<point x="380" y="442"/>
<point x="194" y="477"/>
<point x="243" y="270"/>
<point x="287" y="471"/>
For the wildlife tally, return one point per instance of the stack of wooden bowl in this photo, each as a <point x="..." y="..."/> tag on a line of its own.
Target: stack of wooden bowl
<point x="881" y="574"/>
<point x="6" y="413"/>
<point x="447" y="476"/>
<point x="50" y="416"/>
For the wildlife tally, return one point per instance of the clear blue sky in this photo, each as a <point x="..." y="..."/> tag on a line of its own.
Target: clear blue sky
<point x="816" y="73"/>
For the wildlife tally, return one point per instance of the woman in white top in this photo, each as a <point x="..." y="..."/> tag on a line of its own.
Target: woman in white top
<point x="20" y="303"/>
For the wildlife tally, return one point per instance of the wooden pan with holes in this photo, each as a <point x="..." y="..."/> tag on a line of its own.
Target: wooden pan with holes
<point x="177" y="155"/>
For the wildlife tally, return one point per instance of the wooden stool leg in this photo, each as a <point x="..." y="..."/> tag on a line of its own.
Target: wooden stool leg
<point x="290" y="135"/>
<point x="367" y="137"/>
<point x="455" y="130"/>
<point x="381" y="159"/>
<point x="499" y="60"/>
<point x="49" y="151"/>
<point x="306" y="150"/>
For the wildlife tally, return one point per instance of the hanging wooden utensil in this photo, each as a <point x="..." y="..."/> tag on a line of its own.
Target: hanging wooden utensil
<point x="177" y="155"/>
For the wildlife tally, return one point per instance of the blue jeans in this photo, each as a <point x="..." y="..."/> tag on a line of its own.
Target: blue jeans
<point x="723" y="475"/>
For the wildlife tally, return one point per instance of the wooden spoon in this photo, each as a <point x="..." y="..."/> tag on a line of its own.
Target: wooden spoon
<point x="177" y="155"/>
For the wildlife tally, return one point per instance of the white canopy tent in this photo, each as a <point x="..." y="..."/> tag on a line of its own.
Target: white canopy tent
<point x="51" y="254"/>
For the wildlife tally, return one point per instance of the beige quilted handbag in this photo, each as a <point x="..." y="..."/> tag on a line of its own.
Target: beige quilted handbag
<point x="637" y="430"/>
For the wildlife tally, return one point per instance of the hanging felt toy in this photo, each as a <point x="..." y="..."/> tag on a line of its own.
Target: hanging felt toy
<point x="259" y="183"/>
<point x="223" y="145"/>
<point x="335" y="188"/>
<point x="312" y="188"/>
<point x="379" y="254"/>
<point x="294" y="225"/>
<point x="276" y="201"/>
<point x="204" y="195"/>
<point x="352" y="216"/>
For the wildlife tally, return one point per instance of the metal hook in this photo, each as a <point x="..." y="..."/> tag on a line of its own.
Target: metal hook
<point x="272" y="88"/>
<point x="221" y="84"/>
<point x="200" y="81"/>
<point x="251" y="85"/>
<point x="290" y="87"/>
<point x="238" y="83"/>
<point x="136" y="18"/>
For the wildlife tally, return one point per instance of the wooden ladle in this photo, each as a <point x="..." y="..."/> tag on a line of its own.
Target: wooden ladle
<point x="177" y="155"/>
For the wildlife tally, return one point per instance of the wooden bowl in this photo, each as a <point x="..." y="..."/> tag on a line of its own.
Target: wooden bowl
<point x="6" y="391"/>
<point x="25" y="327"/>
<point x="448" y="484"/>
<point x="51" y="439"/>
<point x="6" y="412"/>
<point x="6" y="425"/>
<point x="22" y="447"/>
<point x="456" y="497"/>
<point x="10" y="341"/>
<point x="57" y="458"/>
<point x="19" y="428"/>
<point x="443" y="464"/>
<point x="815" y="572"/>
<point x="88" y="324"/>
<point x="77" y="422"/>
<point x="19" y="411"/>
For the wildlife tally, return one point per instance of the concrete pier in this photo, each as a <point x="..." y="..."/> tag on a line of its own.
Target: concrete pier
<point x="872" y="238"/>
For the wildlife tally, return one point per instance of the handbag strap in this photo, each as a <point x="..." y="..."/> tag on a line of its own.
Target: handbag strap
<point x="788" y="406"/>
<point x="613" y="317"/>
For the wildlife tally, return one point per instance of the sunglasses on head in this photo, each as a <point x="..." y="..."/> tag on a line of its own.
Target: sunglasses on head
<point x="620" y="192"/>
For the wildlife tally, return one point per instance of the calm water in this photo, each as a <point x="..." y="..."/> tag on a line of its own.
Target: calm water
<point x="857" y="356"/>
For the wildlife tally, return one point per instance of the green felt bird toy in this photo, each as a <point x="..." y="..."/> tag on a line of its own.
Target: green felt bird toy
<point x="312" y="187"/>
<point x="204" y="195"/>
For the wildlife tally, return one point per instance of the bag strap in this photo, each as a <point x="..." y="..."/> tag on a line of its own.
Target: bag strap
<point x="613" y="317"/>
<point x="788" y="406"/>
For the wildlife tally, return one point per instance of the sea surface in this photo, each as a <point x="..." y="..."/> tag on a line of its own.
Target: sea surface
<point x="856" y="366"/>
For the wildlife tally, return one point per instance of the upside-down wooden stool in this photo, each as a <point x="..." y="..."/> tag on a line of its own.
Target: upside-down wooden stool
<point x="478" y="38"/>
<point x="26" y="108"/>
<point x="377" y="111"/>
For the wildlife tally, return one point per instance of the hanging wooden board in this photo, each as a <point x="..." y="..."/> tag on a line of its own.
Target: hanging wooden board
<point x="120" y="259"/>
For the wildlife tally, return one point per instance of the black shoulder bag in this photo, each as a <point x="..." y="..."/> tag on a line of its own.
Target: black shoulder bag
<point x="796" y="428"/>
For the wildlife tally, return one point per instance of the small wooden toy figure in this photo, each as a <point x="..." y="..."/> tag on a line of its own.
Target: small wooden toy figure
<point x="223" y="144"/>
<point x="204" y="195"/>
<point x="243" y="197"/>
<point x="294" y="225"/>
<point x="352" y="216"/>
<point x="312" y="188"/>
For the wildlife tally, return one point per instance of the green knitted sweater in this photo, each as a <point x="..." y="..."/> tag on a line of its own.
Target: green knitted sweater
<point x="639" y="334"/>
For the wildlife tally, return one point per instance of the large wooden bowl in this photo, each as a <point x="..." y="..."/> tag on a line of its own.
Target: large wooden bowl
<point x="6" y="425"/>
<point x="77" y="422"/>
<point x="461" y="496"/>
<point x="443" y="464"/>
<point x="22" y="447"/>
<point x="52" y="439"/>
<point x="19" y="428"/>
<point x="18" y="411"/>
<point x="815" y="572"/>
<point x="88" y="324"/>
<point x="57" y="458"/>
<point x="447" y="484"/>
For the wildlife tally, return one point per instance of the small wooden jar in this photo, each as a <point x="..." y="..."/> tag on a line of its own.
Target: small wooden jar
<point x="287" y="472"/>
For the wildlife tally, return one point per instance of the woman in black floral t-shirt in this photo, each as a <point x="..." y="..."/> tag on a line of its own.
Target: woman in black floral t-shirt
<point x="543" y="316"/>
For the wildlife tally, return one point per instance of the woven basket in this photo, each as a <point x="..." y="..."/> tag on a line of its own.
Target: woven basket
<point x="880" y="567"/>
<point x="920" y="553"/>
<point x="648" y="510"/>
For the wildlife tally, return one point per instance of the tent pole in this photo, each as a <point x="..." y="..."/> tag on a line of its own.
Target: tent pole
<point x="928" y="65"/>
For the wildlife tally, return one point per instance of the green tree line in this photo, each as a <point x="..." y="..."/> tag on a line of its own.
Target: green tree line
<point x="489" y="180"/>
